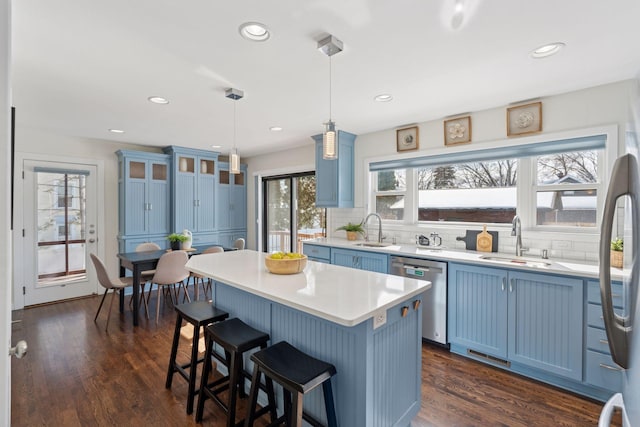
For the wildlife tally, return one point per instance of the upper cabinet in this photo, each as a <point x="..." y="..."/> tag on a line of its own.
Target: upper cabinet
<point x="193" y="189"/>
<point x="143" y="193"/>
<point x="232" y="198"/>
<point x="334" y="178"/>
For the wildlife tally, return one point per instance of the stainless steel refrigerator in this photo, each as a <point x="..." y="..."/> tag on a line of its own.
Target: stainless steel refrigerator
<point x="623" y="330"/>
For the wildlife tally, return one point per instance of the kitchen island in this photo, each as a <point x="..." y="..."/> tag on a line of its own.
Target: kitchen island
<point x="329" y="312"/>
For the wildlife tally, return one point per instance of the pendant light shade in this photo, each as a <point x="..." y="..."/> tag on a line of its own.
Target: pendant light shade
<point x="329" y="143"/>
<point x="234" y="157"/>
<point x="234" y="166"/>
<point x="330" y="46"/>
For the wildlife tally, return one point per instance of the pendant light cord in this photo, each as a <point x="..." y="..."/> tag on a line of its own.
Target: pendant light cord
<point x="234" y="124"/>
<point x="330" y="89"/>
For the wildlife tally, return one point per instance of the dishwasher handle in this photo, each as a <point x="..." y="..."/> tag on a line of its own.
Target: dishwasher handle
<point x="422" y="269"/>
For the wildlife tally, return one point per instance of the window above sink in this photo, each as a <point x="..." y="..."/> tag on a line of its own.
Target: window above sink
<point x="551" y="184"/>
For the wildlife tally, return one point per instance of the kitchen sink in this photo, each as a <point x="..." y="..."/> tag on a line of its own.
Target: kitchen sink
<point x="517" y="261"/>
<point x="373" y="244"/>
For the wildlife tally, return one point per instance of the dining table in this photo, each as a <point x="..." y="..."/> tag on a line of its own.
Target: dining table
<point x="137" y="262"/>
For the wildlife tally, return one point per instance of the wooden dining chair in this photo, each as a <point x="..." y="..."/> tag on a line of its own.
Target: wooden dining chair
<point x="116" y="285"/>
<point x="199" y="279"/>
<point x="170" y="271"/>
<point x="239" y="244"/>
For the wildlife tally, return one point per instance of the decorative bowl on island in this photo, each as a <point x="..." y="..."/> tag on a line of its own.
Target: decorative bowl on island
<point x="285" y="262"/>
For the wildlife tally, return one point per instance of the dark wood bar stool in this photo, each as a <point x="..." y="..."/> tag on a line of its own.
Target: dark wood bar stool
<point x="198" y="313"/>
<point x="297" y="373"/>
<point x="236" y="338"/>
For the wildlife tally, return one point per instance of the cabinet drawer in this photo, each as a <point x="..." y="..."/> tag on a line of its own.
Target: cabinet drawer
<point x="594" y="315"/>
<point x="593" y="293"/>
<point x="314" y="251"/>
<point x="597" y="340"/>
<point x="602" y="372"/>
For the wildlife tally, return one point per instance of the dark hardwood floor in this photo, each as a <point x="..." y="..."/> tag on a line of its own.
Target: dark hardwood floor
<point x="75" y="373"/>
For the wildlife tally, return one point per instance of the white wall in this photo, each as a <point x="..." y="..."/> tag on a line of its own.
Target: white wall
<point x="29" y="140"/>
<point x="598" y="106"/>
<point x="5" y="218"/>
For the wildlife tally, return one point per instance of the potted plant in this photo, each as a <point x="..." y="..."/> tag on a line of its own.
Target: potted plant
<point x="176" y="240"/>
<point x="617" y="246"/>
<point x="352" y="230"/>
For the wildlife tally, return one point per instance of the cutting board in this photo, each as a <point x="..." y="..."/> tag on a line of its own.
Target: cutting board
<point x="471" y="240"/>
<point x="484" y="240"/>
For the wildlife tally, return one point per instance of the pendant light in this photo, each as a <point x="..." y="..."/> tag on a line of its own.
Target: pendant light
<point x="234" y="157"/>
<point x="330" y="46"/>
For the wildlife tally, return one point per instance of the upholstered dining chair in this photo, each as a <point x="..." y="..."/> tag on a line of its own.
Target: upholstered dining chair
<point x="117" y="285"/>
<point x="239" y="244"/>
<point x="169" y="272"/>
<point x="146" y="275"/>
<point x="199" y="279"/>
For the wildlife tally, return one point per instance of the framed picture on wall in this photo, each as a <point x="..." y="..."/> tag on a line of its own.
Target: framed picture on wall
<point x="457" y="131"/>
<point x="407" y="139"/>
<point x="524" y="119"/>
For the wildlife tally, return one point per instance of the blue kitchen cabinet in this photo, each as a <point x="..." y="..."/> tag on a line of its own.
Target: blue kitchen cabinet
<point x="317" y="253"/>
<point x="525" y="320"/>
<point x="361" y="260"/>
<point x="143" y="196"/>
<point x="477" y="310"/>
<point x="232" y="199"/>
<point x="545" y="323"/>
<point x="600" y="369"/>
<point x="227" y="238"/>
<point x="193" y="189"/>
<point x="335" y="178"/>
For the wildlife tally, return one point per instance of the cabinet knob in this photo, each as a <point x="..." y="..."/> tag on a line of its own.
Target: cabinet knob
<point x="416" y="304"/>
<point x="404" y="310"/>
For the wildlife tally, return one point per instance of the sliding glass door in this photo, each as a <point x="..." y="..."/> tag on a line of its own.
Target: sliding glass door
<point x="289" y="211"/>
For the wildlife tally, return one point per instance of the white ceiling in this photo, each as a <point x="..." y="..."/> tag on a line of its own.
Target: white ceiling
<point x="81" y="67"/>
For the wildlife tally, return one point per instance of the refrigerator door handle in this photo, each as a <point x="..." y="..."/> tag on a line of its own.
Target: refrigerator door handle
<point x="624" y="179"/>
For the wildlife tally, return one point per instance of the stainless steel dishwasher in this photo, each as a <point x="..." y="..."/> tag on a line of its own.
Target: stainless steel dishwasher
<point x="434" y="300"/>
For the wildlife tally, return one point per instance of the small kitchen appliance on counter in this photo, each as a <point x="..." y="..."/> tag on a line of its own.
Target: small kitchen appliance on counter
<point x="433" y="241"/>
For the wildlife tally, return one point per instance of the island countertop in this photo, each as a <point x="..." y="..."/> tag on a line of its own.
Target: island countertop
<point x="342" y="295"/>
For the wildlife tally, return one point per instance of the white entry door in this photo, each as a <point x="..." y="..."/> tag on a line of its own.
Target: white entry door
<point x="60" y="230"/>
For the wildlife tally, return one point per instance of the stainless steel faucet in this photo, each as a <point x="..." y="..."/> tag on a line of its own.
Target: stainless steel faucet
<point x="379" y="225"/>
<point x="516" y="230"/>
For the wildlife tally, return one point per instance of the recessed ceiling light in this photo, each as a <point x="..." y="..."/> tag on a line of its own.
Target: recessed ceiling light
<point x="275" y="128"/>
<point x="254" y="31"/>
<point x="116" y="131"/>
<point x="216" y="146"/>
<point x="547" y="50"/>
<point x="158" y="100"/>
<point x="383" y="97"/>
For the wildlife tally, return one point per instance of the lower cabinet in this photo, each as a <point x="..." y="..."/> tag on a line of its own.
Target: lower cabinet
<point x="600" y="369"/>
<point x="511" y="317"/>
<point x="361" y="260"/>
<point x="227" y="238"/>
<point x="317" y="253"/>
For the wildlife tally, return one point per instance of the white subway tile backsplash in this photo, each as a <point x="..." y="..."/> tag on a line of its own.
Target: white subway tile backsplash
<point x="561" y="244"/>
<point x="571" y="246"/>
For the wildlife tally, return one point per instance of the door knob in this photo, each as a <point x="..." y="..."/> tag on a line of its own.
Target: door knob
<point x="19" y="350"/>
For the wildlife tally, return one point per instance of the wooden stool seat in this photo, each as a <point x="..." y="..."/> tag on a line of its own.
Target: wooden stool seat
<point x="298" y="373"/>
<point x="198" y="313"/>
<point x="236" y="338"/>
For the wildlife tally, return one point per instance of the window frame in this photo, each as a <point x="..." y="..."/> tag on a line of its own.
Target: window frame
<point x="526" y="200"/>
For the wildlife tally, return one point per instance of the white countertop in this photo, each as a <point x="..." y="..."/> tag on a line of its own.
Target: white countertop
<point x="342" y="295"/>
<point x="556" y="266"/>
